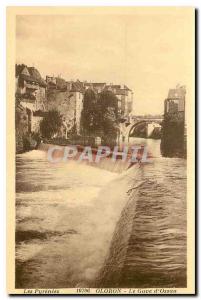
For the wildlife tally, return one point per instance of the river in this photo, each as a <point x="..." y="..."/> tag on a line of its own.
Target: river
<point x="81" y="226"/>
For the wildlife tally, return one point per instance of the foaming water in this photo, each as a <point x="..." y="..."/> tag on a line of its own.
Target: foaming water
<point x="82" y="226"/>
<point x="65" y="220"/>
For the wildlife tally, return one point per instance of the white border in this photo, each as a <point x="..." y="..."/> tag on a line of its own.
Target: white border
<point x="3" y="4"/>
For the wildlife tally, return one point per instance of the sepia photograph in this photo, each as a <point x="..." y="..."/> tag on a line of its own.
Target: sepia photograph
<point x="100" y="112"/>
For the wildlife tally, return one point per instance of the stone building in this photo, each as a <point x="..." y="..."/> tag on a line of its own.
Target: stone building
<point x="175" y="102"/>
<point x="30" y="95"/>
<point x="30" y="87"/>
<point x="122" y="92"/>
<point x="69" y="103"/>
<point x="125" y="98"/>
<point x="57" y="83"/>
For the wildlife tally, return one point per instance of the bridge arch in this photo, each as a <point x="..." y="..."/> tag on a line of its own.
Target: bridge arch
<point x="132" y="126"/>
<point x="125" y="130"/>
<point x="135" y="125"/>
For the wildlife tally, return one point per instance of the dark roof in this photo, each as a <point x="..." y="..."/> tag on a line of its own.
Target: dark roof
<point x="94" y="84"/>
<point x="19" y="69"/>
<point x="34" y="72"/>
<point x="77" y="86"/>
<point x="98" y="84"/>
<point x="34" y="75"/>
<point x="120" y="92"/>
<point x="117" y="86"/>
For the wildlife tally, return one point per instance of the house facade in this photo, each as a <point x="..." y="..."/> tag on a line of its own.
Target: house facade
<point x="175" y="103"/>
<point x="31" y="94"/>
<point x="125" y="98"/>
<point x="30" y="87"/>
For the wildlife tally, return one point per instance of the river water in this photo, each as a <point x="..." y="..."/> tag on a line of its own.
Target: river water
<point x="81" y="226"/>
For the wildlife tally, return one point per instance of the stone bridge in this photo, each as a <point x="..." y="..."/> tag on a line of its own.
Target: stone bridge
<point x="127" y="128"/>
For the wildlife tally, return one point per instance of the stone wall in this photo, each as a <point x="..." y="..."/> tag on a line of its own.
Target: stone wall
<point x="69" y="104"/>
<point x="21" y="127"/>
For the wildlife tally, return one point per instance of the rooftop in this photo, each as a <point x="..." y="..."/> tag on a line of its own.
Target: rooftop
<point x="30" y="74"/>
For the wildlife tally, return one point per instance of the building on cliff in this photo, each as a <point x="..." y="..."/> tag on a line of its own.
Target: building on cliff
<point x="30" y="87"/>
<point x="69" y="102"/>
<point x="30" y="94"/>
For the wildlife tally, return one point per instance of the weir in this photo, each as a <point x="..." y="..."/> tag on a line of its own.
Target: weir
<point x="110" y="274"/>
<point x="81" y="220"/>
<point x="122" y="211"/>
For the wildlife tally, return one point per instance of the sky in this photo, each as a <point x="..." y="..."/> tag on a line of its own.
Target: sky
<point x="149" y="50"/>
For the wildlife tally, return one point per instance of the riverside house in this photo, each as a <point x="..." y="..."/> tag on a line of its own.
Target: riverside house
<point x="30" y="94"/>
<point x="30" y="87"/>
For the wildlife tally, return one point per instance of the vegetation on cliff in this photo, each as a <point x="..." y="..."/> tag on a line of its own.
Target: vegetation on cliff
<point x="172" y="139"/>
<point x="51" y="124"/>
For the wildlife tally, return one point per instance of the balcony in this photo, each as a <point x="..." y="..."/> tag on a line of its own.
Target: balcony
<point x="31" y="86"/>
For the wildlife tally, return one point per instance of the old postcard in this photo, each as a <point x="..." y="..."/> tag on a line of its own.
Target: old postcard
<point x="100" y="141"/>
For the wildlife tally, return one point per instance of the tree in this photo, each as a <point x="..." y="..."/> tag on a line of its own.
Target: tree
<point x="89" y="117"/>
<point x="100" y="115"/>
<point x="108" y="116"/>
<point x="51" y="124"/>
